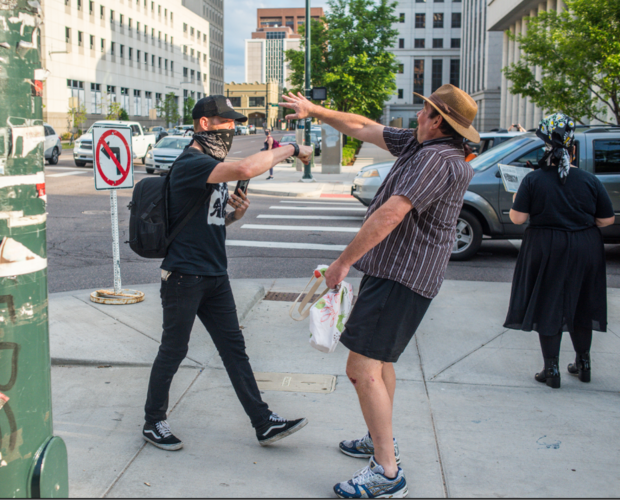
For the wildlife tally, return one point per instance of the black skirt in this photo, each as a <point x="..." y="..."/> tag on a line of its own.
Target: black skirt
<point x="559" y="282"/>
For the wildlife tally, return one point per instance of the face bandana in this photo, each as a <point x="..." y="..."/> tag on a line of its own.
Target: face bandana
<point x="215" y="143"/>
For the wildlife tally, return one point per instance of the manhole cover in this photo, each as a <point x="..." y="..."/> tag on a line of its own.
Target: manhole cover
<point x="96" y="212"/>
<point x="295" y="382"/>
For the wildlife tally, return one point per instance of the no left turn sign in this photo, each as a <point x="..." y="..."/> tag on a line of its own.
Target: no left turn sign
<point x="113" y="158"/>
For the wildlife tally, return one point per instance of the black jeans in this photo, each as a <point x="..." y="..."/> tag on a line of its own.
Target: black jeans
<point x="210" y="297"/>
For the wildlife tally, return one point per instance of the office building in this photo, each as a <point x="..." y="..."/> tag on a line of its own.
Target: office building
<point x="481" y="64"/>
<point x="277" y="30"/>
<point x="212" y="11"/>
<point x="132" y="52"/>
<point x="428" y="52"/>
<point x="512" y="16"/>
<point x="256" y="101"/>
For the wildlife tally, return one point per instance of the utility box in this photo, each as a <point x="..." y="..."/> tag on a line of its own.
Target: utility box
<point x="331" y="149"/>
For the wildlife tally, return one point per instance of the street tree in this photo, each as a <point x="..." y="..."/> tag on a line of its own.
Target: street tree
<point x="76" y="117"/>
<point x="188" y="106"/>
<point x="114" y="111"/>
<point x="577" y="52"/>
<point x="168" y="110"/>
<point x="349" y="55"/>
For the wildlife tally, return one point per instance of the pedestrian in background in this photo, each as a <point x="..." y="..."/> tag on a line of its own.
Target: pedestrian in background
<point x="559" y="282"/>
<point x="270" y="143"/>
<point x="403" y="250"/>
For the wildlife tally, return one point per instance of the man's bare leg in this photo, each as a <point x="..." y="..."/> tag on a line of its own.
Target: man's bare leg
<point x="389" y="379"/>
<point x="367" y="376"/>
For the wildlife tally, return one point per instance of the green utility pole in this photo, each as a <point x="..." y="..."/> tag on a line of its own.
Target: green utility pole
<point x="307" y="177"/>
<point x="33" y="463"/>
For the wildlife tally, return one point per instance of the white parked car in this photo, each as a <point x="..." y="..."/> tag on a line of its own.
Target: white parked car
<point x="52" y="147"/>
<point x="141" y="143"/>
<point x="243" y="130"/>
<point x="162" y="156"/>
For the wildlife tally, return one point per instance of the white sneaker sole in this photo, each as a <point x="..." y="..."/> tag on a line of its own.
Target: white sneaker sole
<point x="362" y="455"/>
<point x="167" y="447"/>
<point x="287" y="433"/>
<point x="399" y="494"/>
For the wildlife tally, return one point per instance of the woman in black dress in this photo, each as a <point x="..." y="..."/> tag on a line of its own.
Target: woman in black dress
<point x="559" y="282"/>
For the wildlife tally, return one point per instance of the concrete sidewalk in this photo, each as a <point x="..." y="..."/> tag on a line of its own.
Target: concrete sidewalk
<point x="469" y="417"/>
<point x="287" y="182"/>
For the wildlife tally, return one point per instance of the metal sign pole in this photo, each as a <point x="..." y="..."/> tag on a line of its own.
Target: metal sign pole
<point x="116" y="254"/>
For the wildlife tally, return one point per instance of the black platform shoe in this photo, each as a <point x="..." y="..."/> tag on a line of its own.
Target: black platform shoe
<point x="581" y="366"/>
<point x="550" y="373"/>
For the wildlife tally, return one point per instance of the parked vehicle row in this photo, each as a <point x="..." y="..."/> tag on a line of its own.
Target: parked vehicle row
<point x="52" y="147"/>
<point x="487" y="204"/>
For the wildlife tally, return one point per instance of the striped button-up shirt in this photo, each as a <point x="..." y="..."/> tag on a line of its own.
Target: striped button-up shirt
<point x="434" y="177"/>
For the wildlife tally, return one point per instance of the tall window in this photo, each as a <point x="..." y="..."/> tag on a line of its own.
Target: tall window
<point x="112" y="47"/>
<point x="438" y="43"/>
<point x="401" y="17"/>
<point x="137" y="56"/>
<point x="130" y="53"/>
<point x="455" y="43"/>
<point x="125" y="99"/>
<point x="455" y="69"/>
<point x="401" y="68"/>
<point x="75" y="88"/>
<point x="95" y="98"/>
<point x="137" y="103"/>
<point x="122" y="51"/>
<point x="159" y="63"/>
<point x="103" y="45"/>
<point x="120" y="19"/>
<point x="437" y="74"/>
<point x="419" y="43"/>
<point x="401" y="43"/>
<point x="256" y="102"/>
<point x="191" y="75"/>
<point x="418" y="80"/>
<point x="456" y="19"/>
<point x="111" y="16"/>
<point x="146" y="58"/>
<point x="92" y="42"/>
<point x="438" y="20"/>
<point x="184" y="27"/>
<point x="80" y="38"/>
<point x="91" y="7"/>
<point x="68" y="35"/>
<point x="79" y="4"/>
<point x="236" y="102"/>
<point x="400" y="93"/>
<point x="101" y="12"/>
<point x="420" y="20"/>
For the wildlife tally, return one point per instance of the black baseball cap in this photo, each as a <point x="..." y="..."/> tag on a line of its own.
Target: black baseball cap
<point x="216" y="105"/>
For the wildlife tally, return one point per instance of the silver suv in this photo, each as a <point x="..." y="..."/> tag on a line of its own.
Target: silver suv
<point x="487" y="204"/>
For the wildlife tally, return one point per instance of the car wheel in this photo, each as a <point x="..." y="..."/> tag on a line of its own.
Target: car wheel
<point x="53" y="160"/>
<point x="150" y="170"/>
<point x="79" y="163"/>
<point x="468" y="236"/>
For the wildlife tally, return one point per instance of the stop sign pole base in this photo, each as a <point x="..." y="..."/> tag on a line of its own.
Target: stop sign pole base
<point x="111" y="298"/>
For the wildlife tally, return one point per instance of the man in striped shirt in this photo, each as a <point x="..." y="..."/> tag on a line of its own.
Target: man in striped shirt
<point x="403" y="249"/>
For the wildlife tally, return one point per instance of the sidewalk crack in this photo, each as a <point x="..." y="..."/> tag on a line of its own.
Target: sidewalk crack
<point x="132" y="460"/>
<point x="464" y="356"/>
<point x="88" y="303"/>
<point x="430" y="411"/>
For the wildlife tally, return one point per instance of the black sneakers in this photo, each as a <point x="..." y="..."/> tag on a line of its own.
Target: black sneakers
<point x="160" y="435"/>
<point x="278" y="428"/>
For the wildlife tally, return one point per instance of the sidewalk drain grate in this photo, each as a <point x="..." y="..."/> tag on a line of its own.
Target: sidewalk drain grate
<point x="296" y="382"/>
<point x="291" y="297"/>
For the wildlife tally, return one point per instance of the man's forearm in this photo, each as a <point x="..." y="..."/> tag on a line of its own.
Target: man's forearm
<point x="259" y="163"/>
<point x="230" y="218"/>
<point x="348" y="123"/>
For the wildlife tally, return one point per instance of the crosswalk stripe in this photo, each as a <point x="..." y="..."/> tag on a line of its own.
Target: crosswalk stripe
<point x="341" y="203"/>
<point x="311" y="217"/>
<point x="65" y="174"/>
<point x="333" y="209"/>
<point x="329" y="229"/>
<point x="286" y="245"/>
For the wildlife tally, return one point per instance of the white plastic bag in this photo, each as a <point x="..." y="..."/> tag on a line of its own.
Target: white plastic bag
<point x="328" y="314"/>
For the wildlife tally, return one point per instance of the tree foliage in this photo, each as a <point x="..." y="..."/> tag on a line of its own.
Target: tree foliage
<point x="188" y="106"/>
<point x="349" y="55"/>
<point x="116" y="112"/>
<point x="168" y="109"/>
<point x="76" y="117"/>
<point x="578" y="52"/>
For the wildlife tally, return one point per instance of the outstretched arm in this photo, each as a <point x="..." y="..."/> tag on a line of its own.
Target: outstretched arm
<point x="356" y="126"/>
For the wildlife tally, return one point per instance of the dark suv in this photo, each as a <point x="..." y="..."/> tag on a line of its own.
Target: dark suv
<point x="487" y="204"/>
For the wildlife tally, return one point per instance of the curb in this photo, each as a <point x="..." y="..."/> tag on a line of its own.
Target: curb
<point x="258" y="296"/>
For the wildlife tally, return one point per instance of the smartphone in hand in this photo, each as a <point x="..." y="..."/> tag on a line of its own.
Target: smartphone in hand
<point x="243" y="185"/>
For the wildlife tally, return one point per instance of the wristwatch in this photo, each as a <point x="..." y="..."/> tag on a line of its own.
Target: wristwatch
<point x="296" y="146"/>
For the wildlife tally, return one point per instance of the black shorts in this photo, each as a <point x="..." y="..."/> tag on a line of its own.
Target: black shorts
<point x="384" y="319"/>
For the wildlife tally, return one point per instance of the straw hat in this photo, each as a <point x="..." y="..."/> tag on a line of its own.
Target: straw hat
<point x="457" y="108"/>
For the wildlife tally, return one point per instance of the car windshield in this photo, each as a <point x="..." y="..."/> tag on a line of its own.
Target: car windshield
<point x="288" y="138"/>
<point x="173" y="143"/>
<point x="496" y="154"/>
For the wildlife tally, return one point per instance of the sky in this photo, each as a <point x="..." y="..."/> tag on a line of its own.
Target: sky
<point x="240" y="22"/>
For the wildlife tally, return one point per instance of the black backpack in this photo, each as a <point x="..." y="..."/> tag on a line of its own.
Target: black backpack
<point x="149" y="231"/>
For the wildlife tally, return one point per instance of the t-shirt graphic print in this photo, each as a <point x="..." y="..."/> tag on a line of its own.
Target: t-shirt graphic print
<point x="217" y="205"/>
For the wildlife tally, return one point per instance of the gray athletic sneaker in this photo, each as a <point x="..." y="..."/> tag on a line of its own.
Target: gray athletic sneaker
<point x="371" y="482"/>
<point x="364" y="448"/>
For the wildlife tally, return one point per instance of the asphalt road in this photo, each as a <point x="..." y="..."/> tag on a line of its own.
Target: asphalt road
<point x="279" y="237"/>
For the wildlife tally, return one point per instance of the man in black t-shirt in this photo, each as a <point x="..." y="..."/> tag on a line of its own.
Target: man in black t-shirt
<point x="194" y="273"/>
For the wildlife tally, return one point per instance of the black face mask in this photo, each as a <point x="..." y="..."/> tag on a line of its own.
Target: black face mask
<point x="215" y="143"/>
